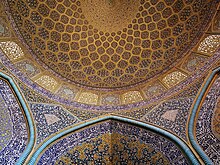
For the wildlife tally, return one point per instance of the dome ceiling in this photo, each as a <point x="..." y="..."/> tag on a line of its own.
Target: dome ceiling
<point x="108" y="44"/>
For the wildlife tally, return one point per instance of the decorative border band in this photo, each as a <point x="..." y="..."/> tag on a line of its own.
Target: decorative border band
<point x="186" y="150"/>
<point x="27" y="115"/>
<point x="195" y="109"/>
<point x="152" y="128"/>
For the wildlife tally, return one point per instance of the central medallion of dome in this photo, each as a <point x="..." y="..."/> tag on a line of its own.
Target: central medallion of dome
<point x="109" y="15"/>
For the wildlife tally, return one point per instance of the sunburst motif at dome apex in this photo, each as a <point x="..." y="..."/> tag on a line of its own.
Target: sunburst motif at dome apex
<point x="109" y="15"/>
<point x="110" y="44"/>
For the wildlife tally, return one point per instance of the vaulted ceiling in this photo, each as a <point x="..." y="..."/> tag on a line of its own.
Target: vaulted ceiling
<point x="109" y="44"/>
<point x="84" y="79"/>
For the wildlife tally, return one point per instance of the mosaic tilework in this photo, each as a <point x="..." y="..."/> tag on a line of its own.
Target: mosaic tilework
<point x="176" y="124"/>
<point x="88" y="98"/>
<point x="85" y="115"/>
<point x="137" y="114"/>
<point x="11" y="49"/>
<point x="50" y="119"/>
<point x="111" y="149"/>
<point x="67" y="92"/>
<point x="4" y="30"/>
<point x="131" y="97"/>
<point x="170" y="115"/>
<point x="47" y="82"/>
<point x="209" y="44"/>
<point x="6" y="124"/>
<point x="129" y="150"/>
<point x="204" y="134"/>
<point x="15" y="147"/>
<point x="62" y="37"/>
<point x="3" y="68"/>
<point x="194" y="62"/>
<point x="191" y="91"/>
<point x="154" y="89"/>
<point x="173" y="78"/>
<point x="151" y="147"/>
<point x="27" y="67"/>
<point x="111" y="99"/>
<point x="93" y="151"/>
<point x="31" y="95"/>
<point x="158" y="143"/>
<point x="170" y="92"/>
<point x="97" y="13"/>
<point x="51" y="155"/>
<point x="216" y="24"/>
<point x="216" y="120"/>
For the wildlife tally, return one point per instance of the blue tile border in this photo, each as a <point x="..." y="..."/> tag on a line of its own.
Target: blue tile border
<point x="28" y="117"/>
<point x="152" y="128"/>
<point x="185" y="149"/>
<point x="191" y="125"/>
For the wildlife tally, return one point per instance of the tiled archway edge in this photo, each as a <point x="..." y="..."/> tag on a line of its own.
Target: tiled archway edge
<point x="185" y="149"/>
<point x="166" y="134"/>
<point x="192" y="120"/>
<point x="27" y="115"/>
